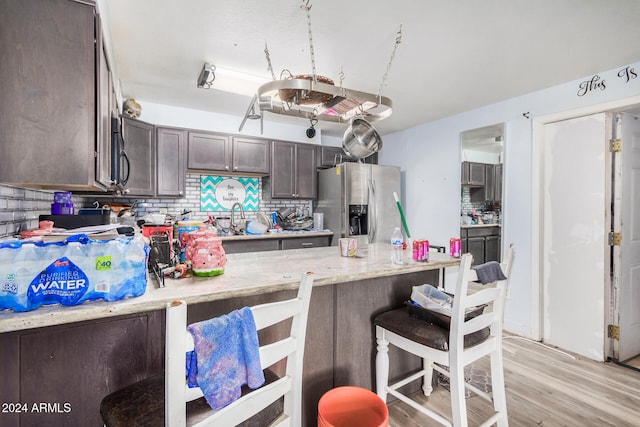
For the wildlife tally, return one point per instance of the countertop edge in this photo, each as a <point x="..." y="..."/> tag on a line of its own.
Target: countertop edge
<point x="328" y="267"/>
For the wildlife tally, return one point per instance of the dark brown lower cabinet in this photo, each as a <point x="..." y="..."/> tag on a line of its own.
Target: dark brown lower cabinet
<point x="275" y="244"/>
<point x="483" y="243"/>
<point x="68" y="369"/>
<point x="476" y="246"/>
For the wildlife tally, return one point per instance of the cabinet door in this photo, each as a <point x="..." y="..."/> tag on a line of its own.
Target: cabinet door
<point x="104" y="112"/>
<point x="257" y="245"/>
<point x="473" y="173"/>
<point x="465" y="173"/>
<point x="48" y="87"/>
<point x="250" y="155"/>
<point x="171" y="146"/>
<point x="305" y="242"/>
<point x="492" y="249"/>
<point x="498" y="183"/>
<point x="306" y="175"/>
<point x="283" y="164"/>
<point x="140" y="145"/>
<point x="489" y="182"/>
<point x="331" y="156"/>
<point x="209" y="151"/>
<point x="475" y="246"/>
<point x="476" y="173"/>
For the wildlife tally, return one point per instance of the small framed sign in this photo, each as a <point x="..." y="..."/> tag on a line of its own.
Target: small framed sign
<point x="219" y="193"/>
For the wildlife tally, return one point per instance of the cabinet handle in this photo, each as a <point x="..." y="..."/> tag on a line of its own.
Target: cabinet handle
<point x="226" y="168"/>
<point x="235" y="168"/>
<point x="307" y="244"/>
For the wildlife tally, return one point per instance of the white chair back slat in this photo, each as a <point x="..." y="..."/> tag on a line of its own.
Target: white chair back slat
<point x="269" y="314"/>
<point x="274" y="352"/>
<point x="248" y="405"/>
<point x="483" y="296"/>
<point x="478" y="323"/>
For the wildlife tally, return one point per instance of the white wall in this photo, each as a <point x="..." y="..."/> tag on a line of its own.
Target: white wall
<point x="167" y="115"/>
<point x="431" y="190"/>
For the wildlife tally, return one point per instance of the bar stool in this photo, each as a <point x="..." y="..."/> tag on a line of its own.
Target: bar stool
<point x="167" y="400"/>
<point x="449" y="351"/>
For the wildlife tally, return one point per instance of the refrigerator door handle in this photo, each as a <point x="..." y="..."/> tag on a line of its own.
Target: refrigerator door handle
<point x="373" y="220"/>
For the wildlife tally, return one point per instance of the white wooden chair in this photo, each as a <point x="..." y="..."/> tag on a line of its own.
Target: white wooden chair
<point x="171" y="400"/>
<point x="448" y="352"/>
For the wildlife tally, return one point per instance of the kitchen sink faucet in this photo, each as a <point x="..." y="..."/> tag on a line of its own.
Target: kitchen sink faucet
<point x="233" y="222"/>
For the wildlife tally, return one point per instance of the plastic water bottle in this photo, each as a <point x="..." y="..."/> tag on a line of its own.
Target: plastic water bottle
<point x="396" y="246"/>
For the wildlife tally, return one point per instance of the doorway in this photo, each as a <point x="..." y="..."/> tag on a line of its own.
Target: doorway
<point x="581" y="293"/>
<point x="481" y="213"/>
<point x="574" y="250"/>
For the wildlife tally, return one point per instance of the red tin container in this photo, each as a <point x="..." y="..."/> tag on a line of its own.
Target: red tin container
<point x="455" y="247"/>
<point x="421" y="250"/>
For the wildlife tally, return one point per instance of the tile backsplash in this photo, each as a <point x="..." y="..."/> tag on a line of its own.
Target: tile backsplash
<point x="191" y="202"/>
<point x="468" y="206"/>
<point x="20" y="207"/>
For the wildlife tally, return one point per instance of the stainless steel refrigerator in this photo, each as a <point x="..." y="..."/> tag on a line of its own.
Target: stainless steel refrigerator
<point x="357" y="201"/>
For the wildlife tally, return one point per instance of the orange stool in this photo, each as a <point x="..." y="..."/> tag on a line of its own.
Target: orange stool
<point x="352" y="407"/>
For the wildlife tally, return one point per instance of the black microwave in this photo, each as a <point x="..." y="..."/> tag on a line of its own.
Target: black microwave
<point x="120" y="165"/>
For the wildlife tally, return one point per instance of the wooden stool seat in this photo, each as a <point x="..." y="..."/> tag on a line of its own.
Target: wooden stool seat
<point x="422" y="332"/>
<point x="142" y="404"/>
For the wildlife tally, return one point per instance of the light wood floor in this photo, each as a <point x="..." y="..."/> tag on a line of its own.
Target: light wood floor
<point x="546" y="388"/>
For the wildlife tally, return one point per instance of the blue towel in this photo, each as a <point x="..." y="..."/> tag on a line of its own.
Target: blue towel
<point x="489" y="272"/>
<point x="225" y="357"/>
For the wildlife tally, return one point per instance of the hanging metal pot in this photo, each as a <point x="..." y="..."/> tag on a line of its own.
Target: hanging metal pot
<point x="361" y="139"/>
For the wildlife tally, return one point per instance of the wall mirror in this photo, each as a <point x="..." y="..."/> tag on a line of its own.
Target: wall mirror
<point x="482" y="192"/>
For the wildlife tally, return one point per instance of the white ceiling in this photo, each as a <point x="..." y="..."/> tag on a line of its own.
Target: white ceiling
<point x="454" y="56"/>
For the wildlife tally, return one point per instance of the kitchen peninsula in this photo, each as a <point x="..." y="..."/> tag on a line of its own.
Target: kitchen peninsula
<point x="79" y="354"/>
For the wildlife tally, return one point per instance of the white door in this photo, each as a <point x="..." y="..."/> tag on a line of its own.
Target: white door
<point x="574" y="235"/>
<point x="627" y="272"/>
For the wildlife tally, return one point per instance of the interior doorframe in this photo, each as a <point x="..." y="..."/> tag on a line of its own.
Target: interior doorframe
<point x="537" y="198"/>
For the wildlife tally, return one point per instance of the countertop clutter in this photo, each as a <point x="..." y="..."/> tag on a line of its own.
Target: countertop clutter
<point x="246" y="274"/>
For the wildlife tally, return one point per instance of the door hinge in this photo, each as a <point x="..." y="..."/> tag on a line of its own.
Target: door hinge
<point x="613" y="331"/>
<point x="615" y="238"/>
<point x="615" y="145"/>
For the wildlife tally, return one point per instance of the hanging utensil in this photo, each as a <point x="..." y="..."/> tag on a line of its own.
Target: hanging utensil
<point x="361" y="139"/>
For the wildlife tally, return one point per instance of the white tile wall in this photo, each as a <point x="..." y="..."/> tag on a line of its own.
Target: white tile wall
<point x="20" y="207"/>
<point x="191" y="202"/>
<point x="468" y="206"/>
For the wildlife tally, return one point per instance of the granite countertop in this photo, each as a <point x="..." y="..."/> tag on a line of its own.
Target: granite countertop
<point x="279" y="235"/>
<point x="245" y="274"/>
<point x="479" y="225"/>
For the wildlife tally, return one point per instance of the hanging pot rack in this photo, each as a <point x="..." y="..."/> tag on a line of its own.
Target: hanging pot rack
<point x="310" y="96"/>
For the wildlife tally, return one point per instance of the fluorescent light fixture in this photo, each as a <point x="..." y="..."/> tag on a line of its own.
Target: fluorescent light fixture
<point x="229" y="80"/>
<point x="239" y="82"/>
<point x="207" y="76"/>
